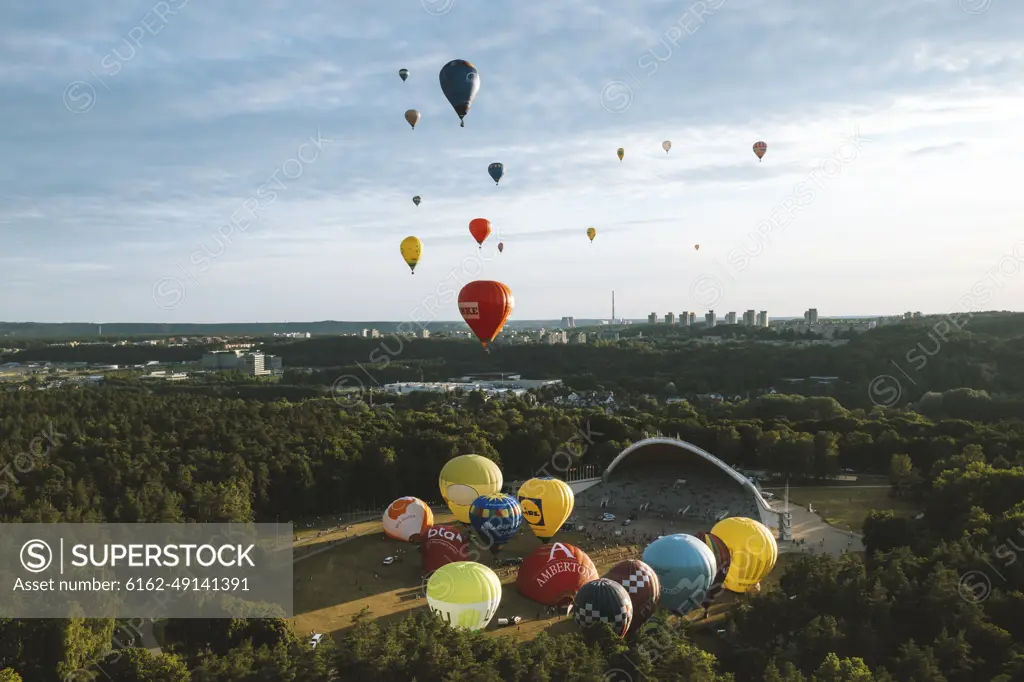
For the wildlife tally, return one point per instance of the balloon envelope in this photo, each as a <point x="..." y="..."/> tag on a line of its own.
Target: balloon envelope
<point x="591" y="232"/>
<point x="403" y="73"/>
<point x="443" y="545"/>
<point x="496" y="171"/>
<point x="546" y="503"/>
<point x="501" y="246"/>
<point x="412" y="249"/>
<point x="760" y="148"/>
<point x="554" y="573"/>
<point x="752" y="551"/>
<point x="460" y="82"/>
<point x="496" y="519"/>
<point x="721" y="552"/>
<point x="407" y="519"/>
<point x="621" y="153"/>
<point x="413" y="117"/>
<point x="480" y="228"/>
<point x="465" y="478"/>
<point x="603" y="601"/>
<point x="685" y="568"/>
<point x="464" y="594"/>
<point x="666" y="145"/>
<point x="485" y="306"/>
<point x="696" y="247"/>
<point x="416" y="200"/>
<point x="642" y="584"/>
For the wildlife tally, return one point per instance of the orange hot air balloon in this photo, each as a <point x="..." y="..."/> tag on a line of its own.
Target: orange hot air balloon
<point x="480" y="228"/>
<point x="485" y="306"/>
<point x="760" y="148"/>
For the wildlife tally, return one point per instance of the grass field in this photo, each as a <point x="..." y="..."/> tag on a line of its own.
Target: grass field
<point x="334" y="582"/>
<point x="846" y="507"/>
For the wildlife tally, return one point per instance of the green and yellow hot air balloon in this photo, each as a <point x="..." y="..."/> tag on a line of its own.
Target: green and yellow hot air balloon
<point x="621" y="153"/>
<point x="547" y="503"/>
<point x="591" y="232"/>
<point x="465" y="478"/>
<point x="412" y="249"/>
<point x="464" y="594"/>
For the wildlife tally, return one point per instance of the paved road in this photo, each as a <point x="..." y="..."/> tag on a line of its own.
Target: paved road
<point x="815" y="536"/>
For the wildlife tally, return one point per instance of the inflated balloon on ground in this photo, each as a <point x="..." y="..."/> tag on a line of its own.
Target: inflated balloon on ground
<point x="465" y="478"/>
<point x="407" y="519"/>
<point x="464" y="594"/>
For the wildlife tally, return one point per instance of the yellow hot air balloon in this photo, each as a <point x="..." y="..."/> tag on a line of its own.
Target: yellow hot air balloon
<point x="412" y="249"/>
<point x="465" y="594"/>
<point x="621" y="153"/>
<point x="752" y="551"/>
<point x="412" y="117"/>
<point x="466" y="478"/>
<point x="547" y="503"/>
<point x="591" y="232"/>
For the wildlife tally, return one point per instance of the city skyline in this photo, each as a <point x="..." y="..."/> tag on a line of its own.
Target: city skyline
<point x="141" y="140"/>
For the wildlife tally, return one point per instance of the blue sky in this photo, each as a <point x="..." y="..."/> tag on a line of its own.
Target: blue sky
<point x="134" y="131"/>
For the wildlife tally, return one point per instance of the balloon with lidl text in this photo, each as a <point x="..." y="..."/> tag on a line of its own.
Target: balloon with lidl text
<point x="546" y="503"/>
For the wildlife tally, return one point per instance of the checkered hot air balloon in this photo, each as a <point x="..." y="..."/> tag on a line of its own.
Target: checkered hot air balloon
<point x="642" y="586"/>
<point x="603" y="601"/>
<point x="496" y="518"/>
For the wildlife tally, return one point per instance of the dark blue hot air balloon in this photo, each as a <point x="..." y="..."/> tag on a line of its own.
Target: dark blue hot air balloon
<point x="496" y="171"/>
<point x="460" y="82"/>
<point x="496" y="519"/>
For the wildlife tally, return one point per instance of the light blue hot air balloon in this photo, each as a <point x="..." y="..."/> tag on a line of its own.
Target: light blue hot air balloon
<point x="685" y="567"/>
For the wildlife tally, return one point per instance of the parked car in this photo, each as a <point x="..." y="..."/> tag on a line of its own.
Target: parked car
<point x="315" y="639"/>
<point x="388" y="561"/>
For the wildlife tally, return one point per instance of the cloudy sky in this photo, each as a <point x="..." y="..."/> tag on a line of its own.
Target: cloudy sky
<point x="135" y="133"/>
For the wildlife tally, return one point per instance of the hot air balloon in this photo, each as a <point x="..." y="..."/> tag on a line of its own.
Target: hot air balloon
<point x="403" y="74"/>
<point x="460" y="82"/>
<point x="621" y="153"/>
<point x="752" y="552"/>
<point x="413" y="117"/>
<point x="642" y="585"/>
<point x="553" y="574"/>
<point x="721" y="552"/>
<point x="464" y="594"/>
<point x="496" y="519"/>
<point x="760" y="148"/>
<point x="416" y="200"/>
<point x="666" y="145"/>
<point x="485" y="306"/>
<point x="465" y="478"/>
<point x="407" y="519"/>
<point x="496" y="171"/>
<point x="480" y="228"/>
<point x="443" y="545"/>
<point x="501" y="246"/>
<point x="412" y="249"/>
<point x="547" y="503"/>
<point x="591" y="232"/>
<point x="603" y="601"/>
<point x="696" y="247"/>
<point x="685" y="568"/>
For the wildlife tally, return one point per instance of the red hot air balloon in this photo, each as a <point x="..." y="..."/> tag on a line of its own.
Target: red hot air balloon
<point x="553" y="574"/>
<point x="480" y="228"/>
<point x="443" y="545"/>
<point x="642" y="585"/>
<point x="760" y="148"/>
<point x="485" y="306"/>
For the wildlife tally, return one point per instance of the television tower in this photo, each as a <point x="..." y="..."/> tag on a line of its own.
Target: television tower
<point x="613" y="307"/>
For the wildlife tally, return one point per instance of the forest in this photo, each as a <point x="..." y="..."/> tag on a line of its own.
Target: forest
<point x="934" y="599"/>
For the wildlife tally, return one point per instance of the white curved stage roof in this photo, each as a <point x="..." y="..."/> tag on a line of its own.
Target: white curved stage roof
<point x="704" y="454"/>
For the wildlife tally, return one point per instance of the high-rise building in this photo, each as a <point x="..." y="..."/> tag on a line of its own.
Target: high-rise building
<point x="710" y="319"/>
<point x="252" y="364"/>
<point x="568" y="322"/>
<point x="581" y="338"/>
<point x="730" y="318"/>
<point x="750" y="318"/>
<point x="670" y="318"/>
<point x="693" y="319"/>
<point x="684" y="318"/>
<point x="652" y="318"/>
<point x="811" y="316"/>
<point x="762" y="318"/>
